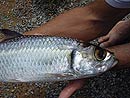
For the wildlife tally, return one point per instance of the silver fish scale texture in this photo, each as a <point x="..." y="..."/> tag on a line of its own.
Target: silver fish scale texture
<point x="35" y="56"/>
<point x="38" y="41"/>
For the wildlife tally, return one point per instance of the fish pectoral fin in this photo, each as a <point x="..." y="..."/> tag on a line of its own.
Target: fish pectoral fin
<point x="7" y="34"/>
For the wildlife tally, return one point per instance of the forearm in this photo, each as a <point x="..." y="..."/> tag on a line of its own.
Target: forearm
<point x="84" y="23"/>
<point x="97" y="11"/>
<point x="77" y="23"/>
<point x="122" y="53"/>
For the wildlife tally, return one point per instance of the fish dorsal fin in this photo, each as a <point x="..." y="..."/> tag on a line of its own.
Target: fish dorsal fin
<point x="7" y="34"/>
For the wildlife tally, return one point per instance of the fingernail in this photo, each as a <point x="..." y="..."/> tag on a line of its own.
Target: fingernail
<point x="99" y="40"/>
<point x="61" y="96"/>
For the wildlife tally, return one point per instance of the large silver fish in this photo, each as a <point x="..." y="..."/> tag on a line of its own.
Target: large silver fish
<point x="46" y="58"/>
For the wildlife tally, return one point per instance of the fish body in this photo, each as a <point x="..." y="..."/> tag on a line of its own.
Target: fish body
<point x="46" y="58"/>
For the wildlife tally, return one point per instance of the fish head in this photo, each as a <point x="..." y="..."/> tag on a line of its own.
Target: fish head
<point x="92" y="61"/>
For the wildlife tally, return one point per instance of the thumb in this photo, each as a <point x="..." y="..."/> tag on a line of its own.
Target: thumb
<point x="103" y="38"/>
<point x="71" y="88"/>
<point x="106" y="44"/>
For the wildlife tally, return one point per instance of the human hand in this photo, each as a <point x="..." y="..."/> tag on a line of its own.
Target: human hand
<point x="119" y="34"/>
<point x="71" y="88"/>
<point x="77" y="23"/>
<point x="84" y="23"/>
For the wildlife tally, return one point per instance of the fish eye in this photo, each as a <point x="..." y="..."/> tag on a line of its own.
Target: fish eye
<point x="100" y="53"/>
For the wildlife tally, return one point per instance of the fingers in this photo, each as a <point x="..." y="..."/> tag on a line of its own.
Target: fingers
<point x="105" y="44"/>
<point x="103" y="39"/>
<point x="71" y="88"/>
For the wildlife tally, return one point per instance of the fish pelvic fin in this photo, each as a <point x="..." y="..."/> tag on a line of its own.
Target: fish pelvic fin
<point x="7" y="34"/>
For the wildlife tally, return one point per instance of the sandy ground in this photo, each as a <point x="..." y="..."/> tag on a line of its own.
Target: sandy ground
<point x="24" y="15"/>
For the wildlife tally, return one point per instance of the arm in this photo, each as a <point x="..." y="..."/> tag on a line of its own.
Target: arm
<point x="85" y="23"/>
<point x="119" y="34"/>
